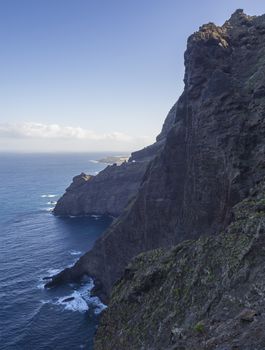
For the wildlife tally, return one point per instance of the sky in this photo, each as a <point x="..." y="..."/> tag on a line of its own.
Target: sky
<point x="95" y="75"/>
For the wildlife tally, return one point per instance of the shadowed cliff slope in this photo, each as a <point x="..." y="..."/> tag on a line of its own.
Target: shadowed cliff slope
<point x="205" y="295"/>
<point x="213" y="155"/>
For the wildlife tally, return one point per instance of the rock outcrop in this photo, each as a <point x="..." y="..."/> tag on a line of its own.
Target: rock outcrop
<point x="207" y="294"/>
<point x="104" y="194"/>
<point x="109" y="192"/>
<point x="213" y="155"/>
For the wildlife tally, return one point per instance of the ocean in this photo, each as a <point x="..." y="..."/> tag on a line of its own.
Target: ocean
<point x="35" y="244"/>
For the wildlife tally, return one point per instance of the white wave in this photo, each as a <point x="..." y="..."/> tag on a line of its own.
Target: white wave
<point x="77" y="304"/>
<point x="75" y="252"/>
<point x="94" y="302"/>
<point x="49" y="195"/>
<point x="52" y="202"/>
<point x="52" y="272"/>
<point x="72" y="263"/>
<point x="81" y="299"/>
<point x="94" y="161"/>
<point x="41" y="285"/>
<point x="86" y="288"/>
<point x="49" y="209"/>
<point x="96" y="217"/>
<point x="49" y="273"/>
<point x="97" y="305"/>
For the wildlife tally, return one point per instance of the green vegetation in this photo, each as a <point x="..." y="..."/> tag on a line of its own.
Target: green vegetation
<point x="199" y="327"/>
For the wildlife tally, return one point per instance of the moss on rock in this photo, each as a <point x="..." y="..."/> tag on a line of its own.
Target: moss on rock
<point x="198" y="286"/>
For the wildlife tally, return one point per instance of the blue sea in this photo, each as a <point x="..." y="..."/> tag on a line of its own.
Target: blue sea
<point x="35" y="244"/>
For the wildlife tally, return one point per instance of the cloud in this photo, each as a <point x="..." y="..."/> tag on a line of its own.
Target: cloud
<point x="55" y="131"/>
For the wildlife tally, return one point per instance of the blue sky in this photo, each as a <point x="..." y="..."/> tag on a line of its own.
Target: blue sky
<point x="86" y="75"/>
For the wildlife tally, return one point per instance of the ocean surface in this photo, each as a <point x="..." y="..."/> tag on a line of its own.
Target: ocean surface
<point x="35" y="244"/>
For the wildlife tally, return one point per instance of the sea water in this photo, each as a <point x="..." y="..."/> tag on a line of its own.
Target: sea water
<point x="35" y="244"/>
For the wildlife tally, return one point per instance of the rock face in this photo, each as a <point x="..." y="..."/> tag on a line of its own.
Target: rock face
<point x="109" y="192"/>
<point x="168" y="123"/>
<point x="213" y="155"/>
<point x="207" y="294"/>
<point x="106" y="193"/>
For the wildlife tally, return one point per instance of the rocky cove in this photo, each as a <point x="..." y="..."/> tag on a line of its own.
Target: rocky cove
<point x="182" y="266"/>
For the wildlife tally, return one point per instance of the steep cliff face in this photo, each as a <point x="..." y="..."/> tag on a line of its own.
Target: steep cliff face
<point x="206" y="294"/>
<point x="168" y="123"/>
<point x="212" y="157"/>
<point x="106" y="193"/>
<point x="109" y="192"/>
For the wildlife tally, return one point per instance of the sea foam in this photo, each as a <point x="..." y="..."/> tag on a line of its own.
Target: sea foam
<point x="96" y="217"/>
<point x="97" y="304"/>
<point x="49" y="273"/>
<point x="82" y="300"/>
<point x="52" y="272"/>
<point x="77" y="304"/>
<point x="81" y="297"/>
<point x="49" y="209"/>
<point x="52" y="202"/>
<point x="75" y="252"/>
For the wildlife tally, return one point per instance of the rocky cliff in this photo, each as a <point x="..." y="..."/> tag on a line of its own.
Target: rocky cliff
<point x="205" y="294"/>
<point x="106" y="193"/>
<point x="212" y="156"/>
<point x="109" y="192"/>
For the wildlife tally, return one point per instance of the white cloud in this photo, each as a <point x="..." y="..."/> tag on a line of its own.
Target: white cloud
<point x="55" y="131"/>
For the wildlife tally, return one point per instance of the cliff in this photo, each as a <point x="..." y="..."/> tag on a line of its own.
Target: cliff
<point x="212" y="156"/>
<point x="106" y="193"/>
<point x="205" y="294"/>
<point x="109" y="192"/>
